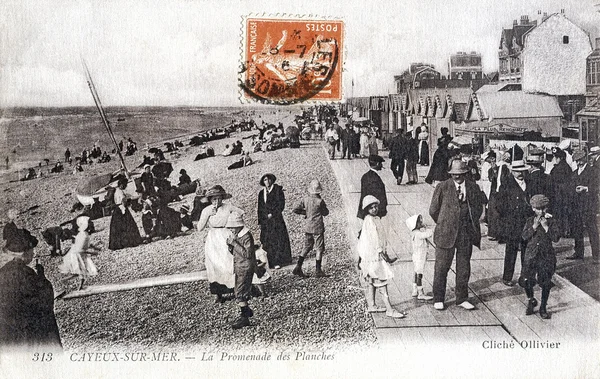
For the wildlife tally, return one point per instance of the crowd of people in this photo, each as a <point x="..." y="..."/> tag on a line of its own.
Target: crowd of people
<point x="524" y="208"/>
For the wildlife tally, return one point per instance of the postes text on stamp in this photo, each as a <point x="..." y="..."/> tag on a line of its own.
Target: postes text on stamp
<point x="288" y="61"/>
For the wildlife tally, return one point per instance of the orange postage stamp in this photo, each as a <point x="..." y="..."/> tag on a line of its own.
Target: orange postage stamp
<point x="288" y="61"/>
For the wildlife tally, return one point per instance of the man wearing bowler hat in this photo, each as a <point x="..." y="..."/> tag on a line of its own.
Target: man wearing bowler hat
<point x="371" y="184"/>
<point x="456" y="206"/>
<point x="514" y="210"/>
<point x="585" y="206"/>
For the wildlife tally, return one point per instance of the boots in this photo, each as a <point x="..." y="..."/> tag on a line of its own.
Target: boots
<point x="415" y="290"/>
<point x="543" y="313"/>
<point x="240" y="322"/>
<point x="298" y="272"/>
<point x="318" y="271"/>
<point x="530" y="305"/>
<point x="421" y="294"/>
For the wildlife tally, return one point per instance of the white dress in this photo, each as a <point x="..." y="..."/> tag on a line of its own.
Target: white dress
<point x="261" y="256"/>
<point x="372" y="241"/>
<point x="420" y="248"/>
<point x="77" y="261"/>
<point x="217" y="258"/>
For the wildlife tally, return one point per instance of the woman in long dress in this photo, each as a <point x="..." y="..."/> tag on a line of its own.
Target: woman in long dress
<point x="273" y="231"/>
<point x="124" y="231"/>
<point x="218" y="260"/>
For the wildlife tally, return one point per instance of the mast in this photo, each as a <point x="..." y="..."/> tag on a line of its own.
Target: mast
<point x="103" y="115"/>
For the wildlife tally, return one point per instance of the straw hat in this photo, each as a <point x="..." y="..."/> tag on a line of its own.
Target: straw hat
<point x="215" y="191"/>
<point x="314" y="187"/>
<point x="235" y="220"/>
<point x="368" y="200"/>
<point x="535" y="159"/>
<point x="595" y="150"/>
<point x="458" y="167"/>
<point x="411" y="222"/>
<point x="519" y="166"/>
<point x="262" y="179"/>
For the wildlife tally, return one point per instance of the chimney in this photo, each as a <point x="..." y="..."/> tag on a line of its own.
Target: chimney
<point x="545" y="16"/>
<point x="515" y="23"/>
<point x="524" y="20"/>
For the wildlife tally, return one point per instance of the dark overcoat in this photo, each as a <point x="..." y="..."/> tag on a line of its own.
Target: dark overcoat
<point x="371" y="184"/>
<point x="445" y="209"/>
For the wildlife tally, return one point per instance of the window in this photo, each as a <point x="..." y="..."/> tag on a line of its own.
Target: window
<point x="565" y="39"/>
<point x="593" y="72"/>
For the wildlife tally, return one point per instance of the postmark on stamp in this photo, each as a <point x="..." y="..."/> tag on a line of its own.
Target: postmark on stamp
<point x="288" y="61"/>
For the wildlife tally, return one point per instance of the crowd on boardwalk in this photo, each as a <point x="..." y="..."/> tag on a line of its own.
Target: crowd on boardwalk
<point x="523" y="207"/>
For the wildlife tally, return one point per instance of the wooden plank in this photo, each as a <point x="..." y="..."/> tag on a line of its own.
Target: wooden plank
<point x="165" y="280"/>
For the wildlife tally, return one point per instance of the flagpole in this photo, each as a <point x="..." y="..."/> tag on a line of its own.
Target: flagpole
<point x="103" y="115"/>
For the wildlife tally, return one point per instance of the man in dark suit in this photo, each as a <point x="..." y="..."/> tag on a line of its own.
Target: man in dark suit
<point x="585" y="180"/>
<point x="514" y="210"/>
<point x="456" y="206"/>
<point x="371" y="184"/>
<point x="397" y="155"/>
<point x="538" y="182"/>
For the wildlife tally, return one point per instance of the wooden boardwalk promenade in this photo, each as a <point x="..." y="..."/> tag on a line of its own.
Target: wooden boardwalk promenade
<point x="500" y="310"/>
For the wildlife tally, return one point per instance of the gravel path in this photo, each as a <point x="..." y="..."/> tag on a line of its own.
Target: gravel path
<point x="315" y="314"/>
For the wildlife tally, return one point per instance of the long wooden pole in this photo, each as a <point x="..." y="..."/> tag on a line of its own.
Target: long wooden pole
<point x="103" y="115"/>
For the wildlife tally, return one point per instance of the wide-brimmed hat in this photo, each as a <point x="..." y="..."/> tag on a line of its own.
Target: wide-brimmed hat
<point x="535" y="159"/>
<point x="579" y="155"/>
<point x="374" y="159"/>
<point x="565" y="144"/>
<point x="368" y="201"/>
<point x="83" y="222"/>
<point x="147" y="166"/>
<point x="215" y="191"/>
<point x="235" y="220"/>
<point x="595" y="150"/>
<point x="314" y="187"/>
<point x="269" y="175"/>
<point x="411" y="222"/>
<point x="458" y="167"/>
<point x="184" y="208"/>
<point x="539" y="201"/>
<point x="519" y="166"/>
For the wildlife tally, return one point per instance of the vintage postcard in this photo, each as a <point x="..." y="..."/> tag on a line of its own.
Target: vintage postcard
<point x="328" y="189"/>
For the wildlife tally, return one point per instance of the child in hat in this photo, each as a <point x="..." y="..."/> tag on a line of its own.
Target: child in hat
<point x="241" y="245"/>
<point x="420" y="236"/>
<point x="371" y="248"/>
<point x="148" y="217"/>
<point x="186" y="219"/>
<point x="78" y="262"/>
<point x="314" y="209"/>
<point x="539" y="264"/>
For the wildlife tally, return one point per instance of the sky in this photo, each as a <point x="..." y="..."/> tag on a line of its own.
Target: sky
<point x="187" y="52"/>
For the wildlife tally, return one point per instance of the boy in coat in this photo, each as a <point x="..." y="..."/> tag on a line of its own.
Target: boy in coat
<point x="241" y="245"/>
<point x="539" y="264"/>
<point x="314" y="209"/>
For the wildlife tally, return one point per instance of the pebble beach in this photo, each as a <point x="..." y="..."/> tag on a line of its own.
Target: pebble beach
<point x="313" y="313"/>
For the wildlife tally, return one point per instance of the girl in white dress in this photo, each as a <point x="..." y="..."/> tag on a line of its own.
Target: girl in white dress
<point x="372" y="246"/>
<point x="262" y="264"/>
<point x="78" y="262"/>
<point x="420" y="237"/>
<point x="217" y="258"/>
